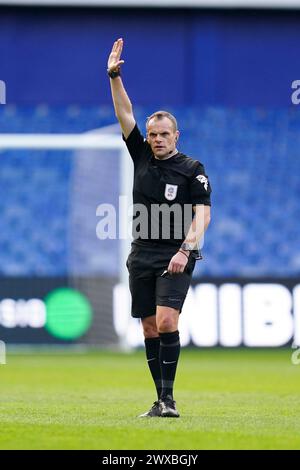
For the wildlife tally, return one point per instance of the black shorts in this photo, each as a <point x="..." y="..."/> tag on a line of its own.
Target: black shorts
<point x="145" y="264"/>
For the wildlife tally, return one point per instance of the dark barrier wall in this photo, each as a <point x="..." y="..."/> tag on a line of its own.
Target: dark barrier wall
<point x="226" y="312"/>
<point x="176" y="57"/>
<point x="57" y="310"/>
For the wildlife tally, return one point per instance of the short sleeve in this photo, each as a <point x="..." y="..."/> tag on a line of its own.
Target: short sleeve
<point x="200" y="187"/>
<point x="136" y="144"/>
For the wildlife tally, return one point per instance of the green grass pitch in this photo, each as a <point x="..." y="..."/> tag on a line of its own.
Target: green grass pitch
<point x="228" y="399"/>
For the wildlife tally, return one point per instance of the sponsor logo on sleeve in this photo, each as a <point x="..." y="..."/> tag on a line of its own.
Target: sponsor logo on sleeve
<point x="202" y="179"/>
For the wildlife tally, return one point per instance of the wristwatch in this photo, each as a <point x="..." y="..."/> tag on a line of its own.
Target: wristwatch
<point x="114" y="73"/>
<point x="195" y="252"/>
<point x="187" y="246"/>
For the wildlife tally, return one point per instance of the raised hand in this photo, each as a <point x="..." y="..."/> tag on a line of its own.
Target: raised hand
<point x="114" y="61"/>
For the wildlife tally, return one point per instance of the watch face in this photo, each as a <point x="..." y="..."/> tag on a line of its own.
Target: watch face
<point x="187" y="246"/>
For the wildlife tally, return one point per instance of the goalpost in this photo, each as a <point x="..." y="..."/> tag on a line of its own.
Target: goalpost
<point x="90" y="149"/>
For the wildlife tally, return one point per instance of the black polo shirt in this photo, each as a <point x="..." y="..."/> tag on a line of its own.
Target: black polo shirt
<point x="178" y="182"/>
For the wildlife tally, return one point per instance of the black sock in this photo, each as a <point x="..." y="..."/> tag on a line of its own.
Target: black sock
<point x="169" y="354"/>
<point x="152" y="346"/>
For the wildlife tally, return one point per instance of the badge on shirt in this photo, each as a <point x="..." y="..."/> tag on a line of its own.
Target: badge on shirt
<point x="203" y="180"/>
<point x="171" y="191"/>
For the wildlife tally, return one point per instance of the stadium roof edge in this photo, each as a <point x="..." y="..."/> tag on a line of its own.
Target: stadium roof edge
<point x="272" y="4"/>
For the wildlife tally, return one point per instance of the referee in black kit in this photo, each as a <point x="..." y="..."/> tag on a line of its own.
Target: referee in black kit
<point x="165" y="245"/>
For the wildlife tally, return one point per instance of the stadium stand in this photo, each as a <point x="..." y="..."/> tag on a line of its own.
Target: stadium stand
<point x="254" y="217"/>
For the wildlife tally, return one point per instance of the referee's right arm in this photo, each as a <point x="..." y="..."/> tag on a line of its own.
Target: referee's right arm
<point x="122" y="103"/>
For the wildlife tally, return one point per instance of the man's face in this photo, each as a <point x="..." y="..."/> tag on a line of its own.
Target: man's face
<point x="162" y="137"/>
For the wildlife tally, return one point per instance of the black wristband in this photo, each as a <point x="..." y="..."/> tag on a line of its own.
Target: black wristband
<point x="114" y="73"/>
<point x="180" y="251"/>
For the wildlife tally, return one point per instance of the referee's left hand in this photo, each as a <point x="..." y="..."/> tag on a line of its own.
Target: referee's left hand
<point x="177" y="263"/>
